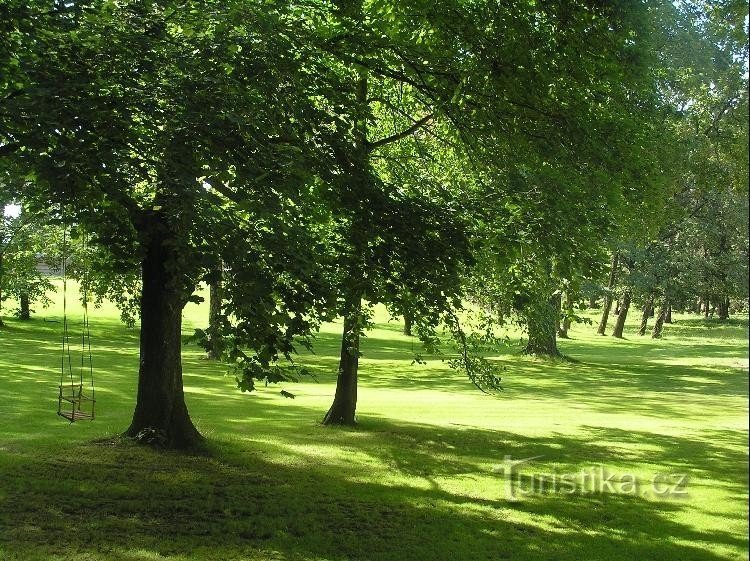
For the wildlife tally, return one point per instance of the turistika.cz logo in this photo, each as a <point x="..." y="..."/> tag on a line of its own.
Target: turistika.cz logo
<point x="520" y="480"/>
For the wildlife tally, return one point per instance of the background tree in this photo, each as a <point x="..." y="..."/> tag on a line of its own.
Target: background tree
<point x="29" y="241"/>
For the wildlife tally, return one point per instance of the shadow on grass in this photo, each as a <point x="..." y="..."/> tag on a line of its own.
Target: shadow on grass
<point x="279" y="486"/>
<point x="121" y="500"/>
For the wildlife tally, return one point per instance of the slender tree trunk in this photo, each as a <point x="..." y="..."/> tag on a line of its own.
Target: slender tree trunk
<point x="659" y="324"/>
<point x="622" y="316"/>
<point x="407" y="323"/>
<point x="24" y="311"/>
<point x="215" y="297"/>
<point x="647" y="308"/>
<point x="708" y="306"/>
<point x="541" y="326"/>
<point x="161" y="416"/>
<point x="1" y="280"/>
<point x="344" y="406"/>
<point x="722" y="304"/>
<point x="668" y="317"/>
<point x="562" y="331"/>
<point x="699" y="305"/>
<point x="608" y="295"/>
<point x="565" y="327"/>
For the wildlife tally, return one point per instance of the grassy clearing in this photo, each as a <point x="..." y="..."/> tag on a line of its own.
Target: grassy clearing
<point x="414" y="481"/>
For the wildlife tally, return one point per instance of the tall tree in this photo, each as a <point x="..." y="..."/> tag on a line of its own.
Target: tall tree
<point x="175" y="133"/>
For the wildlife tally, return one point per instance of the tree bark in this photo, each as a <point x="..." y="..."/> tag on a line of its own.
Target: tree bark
<point x="723" y="308"/>
<point x="647" y="308"/>
<point x="565" y="328"/>
<point x="542" y="330"/>
<point x="708" y="306"/>
<point x="161" y="416"/>
<point x="622" y="316"/>
<point x="659" y="324"/>
<point x="1" y="286"/>
<point x="407" y="323"/>
<point x="607" y="306"/>
<point x="668" y="317"/>
<point x="215" y="297"/>
<point x="344" y="406"/>
<point x="562" y="331"/>
<point x="24" y="308"/>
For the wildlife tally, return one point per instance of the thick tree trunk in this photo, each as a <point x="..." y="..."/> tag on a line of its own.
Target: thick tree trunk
<point x="723" y="308"/>
<point x="215" y="296"/>
<point x="592" y="302"/>
<point x="344" y="406"/>
<point x="24" y="307"/>
<point x="608" y="295"/>
<point x="542" y="330"/>
<point x="161" y="416"/>
<point x="647" y="309"/>
<point x="407" y="323"/>
<point x="659" y="324"/>
<point x="622" y="316"/>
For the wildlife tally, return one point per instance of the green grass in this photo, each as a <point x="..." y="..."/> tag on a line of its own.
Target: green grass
<point x="414" y="481"/>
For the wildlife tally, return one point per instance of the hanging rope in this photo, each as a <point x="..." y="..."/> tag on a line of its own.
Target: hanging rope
<point x="66" y="336"/>
<point x="69" y="405"/>
<point x="86" y="331"/>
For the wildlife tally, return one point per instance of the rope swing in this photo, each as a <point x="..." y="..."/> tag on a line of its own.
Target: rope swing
<point x="74" y="403"/>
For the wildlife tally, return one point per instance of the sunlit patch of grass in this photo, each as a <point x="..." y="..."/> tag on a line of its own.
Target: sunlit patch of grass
<point x="416" y="480"/>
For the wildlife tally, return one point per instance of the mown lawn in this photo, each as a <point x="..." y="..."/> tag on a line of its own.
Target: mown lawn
<point x="417" y="480"/>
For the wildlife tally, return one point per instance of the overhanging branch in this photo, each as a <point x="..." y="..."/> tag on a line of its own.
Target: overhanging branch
<point x="371" y="146"/>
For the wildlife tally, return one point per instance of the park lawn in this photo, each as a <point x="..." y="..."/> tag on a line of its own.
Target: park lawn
<point x="417" y="480"/>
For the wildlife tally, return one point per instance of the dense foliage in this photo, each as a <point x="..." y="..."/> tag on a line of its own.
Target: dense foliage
<point x="317" y="158"/>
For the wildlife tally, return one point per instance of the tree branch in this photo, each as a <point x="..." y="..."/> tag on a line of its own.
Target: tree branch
<point x="371" y="146"/>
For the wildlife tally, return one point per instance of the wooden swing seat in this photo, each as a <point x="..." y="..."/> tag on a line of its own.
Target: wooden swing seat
<point x="76" y="415"/>
<point x="75" y="397"/>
